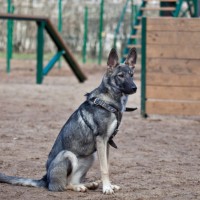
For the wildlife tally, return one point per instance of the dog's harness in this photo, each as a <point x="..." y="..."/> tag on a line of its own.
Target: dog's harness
<point x="112" y="109"/>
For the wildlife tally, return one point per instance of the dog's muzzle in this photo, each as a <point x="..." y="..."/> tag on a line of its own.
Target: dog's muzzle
<point x="134" y="89"/>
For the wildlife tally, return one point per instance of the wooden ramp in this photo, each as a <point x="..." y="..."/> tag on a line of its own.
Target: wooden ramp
<point x="44" y="22"/>
<point x="171" y="66"/>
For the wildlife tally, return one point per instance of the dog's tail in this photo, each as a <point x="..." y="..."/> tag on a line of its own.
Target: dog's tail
<point x="43" y="183"/>
<point x="23" y="181"/>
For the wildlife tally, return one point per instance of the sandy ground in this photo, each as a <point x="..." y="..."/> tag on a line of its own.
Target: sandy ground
<point x="157" y="158"/>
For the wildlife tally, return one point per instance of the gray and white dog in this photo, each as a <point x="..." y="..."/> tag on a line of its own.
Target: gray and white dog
<point x="90" y="128"/>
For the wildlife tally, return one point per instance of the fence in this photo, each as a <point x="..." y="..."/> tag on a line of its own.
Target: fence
<point x="171" y="66"/>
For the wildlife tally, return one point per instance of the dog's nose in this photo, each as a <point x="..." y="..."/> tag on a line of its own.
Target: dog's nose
<point x="134" y="89"/>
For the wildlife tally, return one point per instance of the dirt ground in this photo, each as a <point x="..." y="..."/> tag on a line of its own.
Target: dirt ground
<point x="157" y="157"/>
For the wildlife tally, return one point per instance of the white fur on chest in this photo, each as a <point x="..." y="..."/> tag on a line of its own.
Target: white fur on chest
<point x="111" y="127"/>
<point x="124" y="100"/>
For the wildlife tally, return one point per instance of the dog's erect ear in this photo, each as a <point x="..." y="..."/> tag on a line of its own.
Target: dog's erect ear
<point x="112" y="58"/>
<point x="131" y="58"/>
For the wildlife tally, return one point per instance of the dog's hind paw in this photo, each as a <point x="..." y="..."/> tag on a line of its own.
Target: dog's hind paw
<point x="92" y="185"/>
<point x="77" y="188"/>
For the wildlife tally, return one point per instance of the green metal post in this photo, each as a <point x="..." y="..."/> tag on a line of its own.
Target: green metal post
<point x="100" y="31"/>
<point x="8" y="38"/>
<point x="11" y="34"/>
<point x="195" y="2"/>
<point x="178" y="8"/>
<point x="40" y="48"/>
<point x="59" y="24"/>
<point x="120" y="22"/>
<point x="135" y="19"/>
<point x="85" y="34"/>
<point x="132" y="15"/>
<point x="143" y="70"/>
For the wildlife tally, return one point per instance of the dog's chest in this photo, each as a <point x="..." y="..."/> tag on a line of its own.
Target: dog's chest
<point x="124" y="100"/>
<point x="112" y="127"/>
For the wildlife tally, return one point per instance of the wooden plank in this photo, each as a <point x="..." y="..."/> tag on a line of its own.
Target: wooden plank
<point x="130" y="46"/>
<point x="173" y="24"/>
<point x="176" y="37"/>
<point x="174" y="66"/>
<point x="138" y="27"/>
<point x="175" y="80"/>
<point x="135" y="36"/>
<point x="173" y="108"/>
<point x="161" y="0"/>
<point x="173" y="51"/>
<point x="175" y="93"/>
<point x="157" y="8"/>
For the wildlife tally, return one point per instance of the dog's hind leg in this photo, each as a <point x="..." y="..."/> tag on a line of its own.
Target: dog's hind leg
<point x="77" y="177"/>
<point x="59" y="168"/>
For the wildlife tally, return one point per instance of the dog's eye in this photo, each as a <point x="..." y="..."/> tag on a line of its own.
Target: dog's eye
<point x="121" y="75"/>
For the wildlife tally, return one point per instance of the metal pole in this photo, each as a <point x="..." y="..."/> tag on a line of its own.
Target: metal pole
<point x="143" y="70"/>
<point x="40" y="47"/>
<point x="196" y="2"/>
<point x="8" y="38"/>
<point x="100" y="31"/>
<point x="11" y="34"/>
<point x="59" y="24"/>
<point x="132" y="15"/>
<point x="119" y="23"/>
<point x="85" y="34"/>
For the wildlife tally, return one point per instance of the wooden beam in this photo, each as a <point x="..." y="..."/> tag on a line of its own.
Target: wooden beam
<point x="138" y="27"/>
<point x="190" y="51"/>
<point x="133" y="45"/>
<point x="175" y="80"/>
<point x="173" y="93"/>
<point x="173" y="66"/>
<point x="173" y="108"/>
<point x="135" y="36"/>
<point x="173" y="38"/>
<point x="157" y="8"/>
<point x="161" y="0"/>
<point x="173" y="24"/>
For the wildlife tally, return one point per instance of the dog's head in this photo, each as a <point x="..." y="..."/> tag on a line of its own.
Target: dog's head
<point x="120" y="75"/>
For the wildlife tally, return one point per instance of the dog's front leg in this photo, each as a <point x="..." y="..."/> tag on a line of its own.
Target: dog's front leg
<point x="102" y="150"/>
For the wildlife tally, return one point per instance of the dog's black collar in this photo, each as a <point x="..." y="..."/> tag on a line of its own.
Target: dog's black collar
<point x="117" y="112"/>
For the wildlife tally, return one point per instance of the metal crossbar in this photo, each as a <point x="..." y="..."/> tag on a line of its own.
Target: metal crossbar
<point x="45" y="23"/>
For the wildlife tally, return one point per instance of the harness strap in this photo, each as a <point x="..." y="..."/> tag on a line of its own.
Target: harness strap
<point x="114" y="110"/>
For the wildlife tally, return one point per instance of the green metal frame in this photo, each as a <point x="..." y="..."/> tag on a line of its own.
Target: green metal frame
<point x="100" y="30"/>
<point x="45" y="23"/>
<point x="9" y="38"/>
<point x="51" y="63"/>
<point x="40" y="49"/>
<point x="84" y="51"/>
<point x="143" y="69"/>
<point x="134" y="31"/>
<point x="59" y="24"/>
<point x="191" y="3"/>
<point x="121" y="19"/>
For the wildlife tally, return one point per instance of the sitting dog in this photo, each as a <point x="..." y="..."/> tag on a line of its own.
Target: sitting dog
<point x="90" y="129"/>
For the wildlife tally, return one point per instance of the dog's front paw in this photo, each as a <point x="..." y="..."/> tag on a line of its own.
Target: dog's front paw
<point x="107" y="189"/>
<point x="110" y="189"/>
